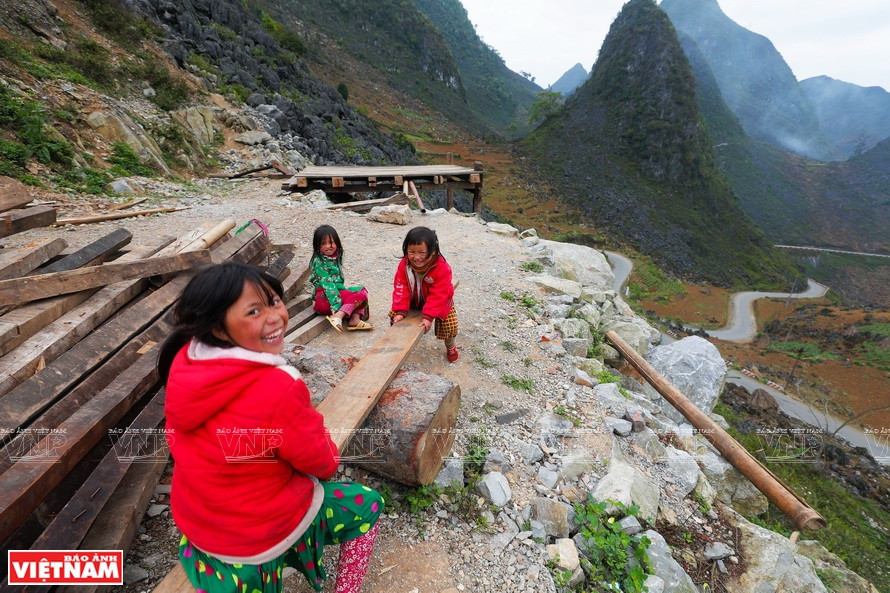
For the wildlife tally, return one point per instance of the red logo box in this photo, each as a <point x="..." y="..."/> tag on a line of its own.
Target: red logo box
<point x="72" y="567"/>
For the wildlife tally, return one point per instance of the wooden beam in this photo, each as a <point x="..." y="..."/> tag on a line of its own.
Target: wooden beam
<point x="368" y="204"/>
<point x="350" y="401"/>
<point x="116" y="216"/>
<point x="18" y="220"/>
<point x="337" y="182"/>
<point x="97" y="251"/>
<point x="48" y="341"/>
<point x="21" y="261"/>
<point x="125" y="205"/>
<point x="372" y="182"/>
<point x="281" y="168"/>
<point x="32" y="288"/>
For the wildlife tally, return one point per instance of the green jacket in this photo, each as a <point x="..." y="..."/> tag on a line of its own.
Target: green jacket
<point x="327" y="275"/>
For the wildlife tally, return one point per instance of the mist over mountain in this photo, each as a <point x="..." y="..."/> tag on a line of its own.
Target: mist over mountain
<point x="754" y="79"/>
<point x="631" y="147"/>
<point x="854" y="118"/>
<point x="792" y="199"/>
<point x="572" y="79"/>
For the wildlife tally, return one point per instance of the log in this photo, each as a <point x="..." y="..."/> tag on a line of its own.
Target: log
<point x="210" y="237"/>
<point x="360" y="205"/>
<point x="125" y="205"/>
<point x="25" y="259"/>
<point x="18" y="220"/>
<point x="116" y="216"/>
<point x="788" y="501"/>
<point x="410" y="431"/>
<point x="46" y="285"/>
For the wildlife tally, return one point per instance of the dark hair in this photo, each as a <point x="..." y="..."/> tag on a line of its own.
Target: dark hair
<point x="321" y="232"/>
<point x="420" y="235"/>
<point x="203" y="304"/>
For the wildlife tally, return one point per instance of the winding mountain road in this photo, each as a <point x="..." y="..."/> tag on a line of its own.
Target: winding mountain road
<point x="741" y="328"/>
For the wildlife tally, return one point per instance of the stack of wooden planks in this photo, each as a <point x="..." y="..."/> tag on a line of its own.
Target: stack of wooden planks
<point x="82" y="443"/>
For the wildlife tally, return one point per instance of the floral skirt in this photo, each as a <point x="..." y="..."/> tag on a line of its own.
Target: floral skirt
<point x="348" y="511"/>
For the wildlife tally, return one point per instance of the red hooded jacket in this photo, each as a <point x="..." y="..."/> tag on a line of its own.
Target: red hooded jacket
<point x="437" y="289"/>
<point x="245" y="441"/>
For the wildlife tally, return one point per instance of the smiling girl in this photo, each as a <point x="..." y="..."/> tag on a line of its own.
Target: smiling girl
<point x="250" y="451"/>
<point x="423" y="282"/>
<point x="332" y="297"/>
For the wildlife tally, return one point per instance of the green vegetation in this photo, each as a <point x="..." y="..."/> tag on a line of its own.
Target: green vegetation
<point x="518" y="384"/>
<point x="610" y="556"/>
<point x="857" y="526"/>
<point x="547" y="104"/>
<point x="569" y="415"/>
<point x="629" y="152"/>
<point x="84" y="179"/>
<point x="35" y="137"/>
<point x="533" y="266"/>
<point x="802" y="351"/>
<point x="126" y="162"/>
<point x="648" y="282"/>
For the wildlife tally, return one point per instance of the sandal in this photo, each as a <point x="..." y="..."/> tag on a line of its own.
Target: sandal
<point x="336" y="322"/>
<point x="359" y="326"/>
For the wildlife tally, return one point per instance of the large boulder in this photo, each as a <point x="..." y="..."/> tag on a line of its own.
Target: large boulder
<point x="694" y="366"/>
<point x="582" y="264"/>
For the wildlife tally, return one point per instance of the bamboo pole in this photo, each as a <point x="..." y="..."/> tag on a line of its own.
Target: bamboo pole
<point x="115" y="216"/>
<point x="796" y="508"/>
<point x="210" y="237"/>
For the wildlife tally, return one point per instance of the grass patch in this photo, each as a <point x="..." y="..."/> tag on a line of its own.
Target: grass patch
<point x="518" y="384"/>
<point x="802" y="351"/>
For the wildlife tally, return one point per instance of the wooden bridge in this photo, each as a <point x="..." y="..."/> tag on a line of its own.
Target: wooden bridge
<point x="352" y="179"/>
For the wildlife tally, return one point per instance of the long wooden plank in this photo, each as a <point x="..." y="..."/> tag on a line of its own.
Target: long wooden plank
<point x="18" y="220"/>
<point x="398" y="198"/>
<point x="139" y="443"/>
<point x="32" y="288"/>
<point x="115" y="216"/>
<point x="44" y="338"/>
<point x="295" y="280"/>
<point x="23" y="260"/>
<point x="312" y="327"/>
<point x="20" y="324"/>
<point x="350" y="401"/>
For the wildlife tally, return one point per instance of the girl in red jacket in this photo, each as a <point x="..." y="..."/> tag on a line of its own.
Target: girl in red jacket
<point x="423" y="282"/>
<point x="250" y="451"/>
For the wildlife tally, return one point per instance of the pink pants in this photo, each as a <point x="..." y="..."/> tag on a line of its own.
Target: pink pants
<point x="352" y="302"/>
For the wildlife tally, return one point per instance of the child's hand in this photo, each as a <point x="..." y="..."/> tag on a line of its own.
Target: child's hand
<point x="426" y="323"/>
<point x="397" y="318"/>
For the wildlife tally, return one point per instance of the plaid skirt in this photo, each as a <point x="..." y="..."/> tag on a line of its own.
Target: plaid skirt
<point x="348" y="511"/>
<point x="447" y="328"/>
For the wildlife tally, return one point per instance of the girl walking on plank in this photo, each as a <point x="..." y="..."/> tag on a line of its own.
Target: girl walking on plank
<point x="423" y="282"/>
<point x="332" y="297"/>
<point x="251" y="454"/>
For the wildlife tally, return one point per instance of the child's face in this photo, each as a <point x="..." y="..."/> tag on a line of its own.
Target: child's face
<point x="255" y="324"/>
<point x="328" y="248"/>
<point x="419" y="255"/>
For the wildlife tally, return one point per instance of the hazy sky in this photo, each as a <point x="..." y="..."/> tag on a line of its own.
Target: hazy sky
<point x="847" y="40"/>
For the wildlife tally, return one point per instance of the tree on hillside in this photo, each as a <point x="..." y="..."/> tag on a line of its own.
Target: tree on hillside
<point x="547" y="104"/>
